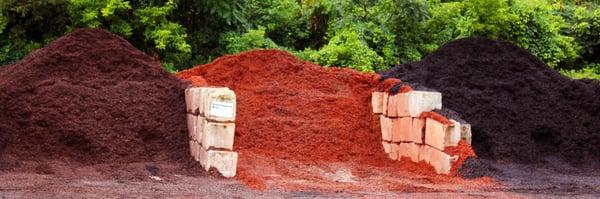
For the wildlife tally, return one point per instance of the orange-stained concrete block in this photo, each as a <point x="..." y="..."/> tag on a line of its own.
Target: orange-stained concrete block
<point x="384" y="103"/>
<point x="402" y="105"/>
<point x="218" y="135"/>
<point x="393" y="151"/>
<point x="403" y="150"/>
<point x="387" y="147"/>
<point x="392" y="110"/>
<point x="465" y="132"/>
<point x="425" y="153"/>
<point x="377" y="102"/>
<point x="224" y="161"/>
<point x="403" y="127"/>
<point x="441" y="161"/>
<point x="413" y="151"/>
<point x="416" y="132"/>
<point x="435" y="134"/>
<point x="386" y="128"/>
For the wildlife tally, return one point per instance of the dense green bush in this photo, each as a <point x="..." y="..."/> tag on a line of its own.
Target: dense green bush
<point x="367" y="35"/>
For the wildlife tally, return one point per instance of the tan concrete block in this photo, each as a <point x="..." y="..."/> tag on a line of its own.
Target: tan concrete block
<point x="423" y="101"/>
<point x="392" y="107"/>
<point x="435" y="134"/>
<point x="393" y="151"/>
<point x="377" y="102"/>
<point x="219" y="105"/>
<point x="218" y="135"/>
<point x="195" y="127"/>
<point x="416" y="133"/>
<point x="192" y="149"/>
<point x="402" y="129"/>
<point x="193" y="100"/>
<point x="192" y="125"/>
<point x="386" y="128"/>
<point x="465" y="132"/>
<point x="453" y="133"/>
<point x="387" y="147"/>
<point x="441" y="161"/>
<point x="413" y="151"/>
<point x="195" y="150"/>
<point x="224" y="161"/>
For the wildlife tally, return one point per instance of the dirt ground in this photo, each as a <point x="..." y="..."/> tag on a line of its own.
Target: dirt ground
<point x="287" y="179"/>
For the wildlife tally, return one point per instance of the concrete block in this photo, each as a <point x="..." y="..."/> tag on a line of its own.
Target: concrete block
<point x="195" y="149"/>
<point x="440" y="136"/>
<point x="441" y="161"/>
<point x="218" y="135"/>
<point x="192" y="121"/>
<point x="219" y="105"/>
<point x="413" y="103"/>
<point x="386" y="128"/>
<point x="422" y="101"/>
<point x="435" y="133"/>
<point x="387" y="147"/>
<point x="193" y="100"/>
<point x="384" y="102"/>
<point x="453" y="133"/>
<point x="425" y="153"/>
<point x="416" y="133"/>
<point x="413" y="151"/>
<point x="401" y="129"/>
<point x="402" y="149"/>
<point x="377" y="102"/>
<point x="224" y="161"/>
<point x="196" y="125"/>
<point x="392" y="106"/>
<point x="465" y="132"/>
<point x="393" y="151"/>
<point x="402" y="105"/>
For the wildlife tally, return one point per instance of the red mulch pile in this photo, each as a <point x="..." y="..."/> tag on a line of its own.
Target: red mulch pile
<point x="93" y="98"/>
<point x="297" y="110"/>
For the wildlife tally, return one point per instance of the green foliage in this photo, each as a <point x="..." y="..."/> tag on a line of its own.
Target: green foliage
<point x="367" y="35"/>
<point x="591" y="71"/>
<point x="253" y="39"/>
<point x="345" y="49"/>
<point x="285" y="21"/>
<point x="167" y="36"/>
<point x="109" y="14"/>
<point x="26" y="25"/>
<point x="531" y="24"/>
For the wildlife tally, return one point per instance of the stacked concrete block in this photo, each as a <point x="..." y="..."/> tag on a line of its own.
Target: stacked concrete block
<point x="211" y="127"/>
<point x="406" y="135"/>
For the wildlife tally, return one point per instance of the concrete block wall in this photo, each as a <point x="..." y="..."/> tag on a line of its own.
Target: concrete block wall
<point x="211" y="127"/>
<point x="407" y="132"/>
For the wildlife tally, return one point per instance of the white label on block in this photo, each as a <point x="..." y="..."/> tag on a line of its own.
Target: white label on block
<point x="221" y="109"/>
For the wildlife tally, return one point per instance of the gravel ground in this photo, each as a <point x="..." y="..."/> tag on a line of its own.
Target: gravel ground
<point x="135" y="181"/>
